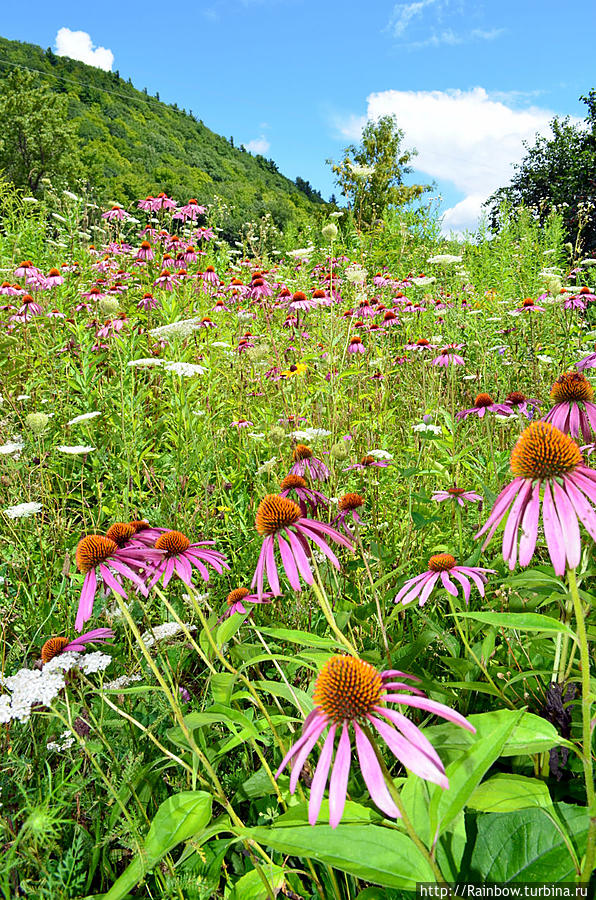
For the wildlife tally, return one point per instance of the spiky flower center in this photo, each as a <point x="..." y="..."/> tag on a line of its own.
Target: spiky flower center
<point x="93" y="550"/>
<point x="298" y="296"/>
<point x="53" y="272"/>
<point x="367" y="460"/>
<point x="455" y="491"/>
<point x="528" y="302"/>
<point x="348" y="688"/>
<point x="516" y="398"/>
<point x="350" y="501"/>
<point x="442" y="562"/>
<point x="571" y="386"/>
<point x="52" y="648"/>
<point x="422" y="342"/>
<point x="483" y="400"/>
<point x="145" y="245"/>
<point x="121" y="532"/>
<point x="291" y="482"/>
<point x="139" y="525"/>
<point x="542" y="451"/>
<point x="237" y="595"/>
<point x="355" y="340"/>
<point x="301" y="451"/>
<point x="173" y="542"/>
<point x="276" y="513"/>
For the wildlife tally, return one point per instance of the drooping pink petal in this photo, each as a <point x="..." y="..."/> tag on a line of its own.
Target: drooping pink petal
<point x="499" y="509"/>
<point x="553" y="532"/>
<point x="569" y="525"/>
<point x="448" y="584"/>
<point x="300" y="556"/>
<point x="410" y="583"/>
<point x="271" y="567"/>
<point x="512" y="526"/>
<point x="373" y="776"/>
<point x="432" y="706"/>
<point x="169" y="569"/>
<point x="313" y="736"/>
<point x="477" y="577"/>
<point x="316" y="725"/>
<point x="323" y="528"/>
<point x="428" y="588"/>
<point x="85" y="608"/>
<point x="412" y="733"/>
<point x="184" y="570"/>
<point x="574" y="420"/>
<point x="459" y="576"/>
<point x="289" y="563"/>
<point x="584" y="511"/>
<point x="529" y="527"/>
<point x="322" y="545"/>
<point x="338" y="785"/>
<point x="320" y="777"/>
<point x="408" y="754"/>
<point x="109" y="579"/>
<point x="257" y="578"/>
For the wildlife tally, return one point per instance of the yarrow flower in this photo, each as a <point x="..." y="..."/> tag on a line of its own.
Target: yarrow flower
<point x="281" y="518"/>
<point x="546" y="463"/>
<point x="441" y="569"/>
<point x="574" y="410"/>
<point x="23" y="510"/>
<point x="351" y="695"/>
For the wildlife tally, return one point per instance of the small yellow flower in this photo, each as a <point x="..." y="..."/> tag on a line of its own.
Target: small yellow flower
<point x="298" y="369"/>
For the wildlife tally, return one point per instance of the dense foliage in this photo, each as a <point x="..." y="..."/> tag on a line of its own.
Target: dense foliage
<point x="132" y="145"/>
<point x="557" y="173"/>
<point x="158" y="378"/>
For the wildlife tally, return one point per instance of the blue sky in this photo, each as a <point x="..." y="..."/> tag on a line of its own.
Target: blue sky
<point x="296" y="79"/>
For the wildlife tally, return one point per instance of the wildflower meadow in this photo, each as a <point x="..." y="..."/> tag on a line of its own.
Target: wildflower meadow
<point x="297" y="554"/>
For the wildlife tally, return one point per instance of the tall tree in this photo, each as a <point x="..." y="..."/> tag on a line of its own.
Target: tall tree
<point x="371" y="175"/>
<point x="557" y="173"/>
<point x="37" y="139"/>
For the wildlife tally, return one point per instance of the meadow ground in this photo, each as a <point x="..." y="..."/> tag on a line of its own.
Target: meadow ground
<point x="243" y="590"/>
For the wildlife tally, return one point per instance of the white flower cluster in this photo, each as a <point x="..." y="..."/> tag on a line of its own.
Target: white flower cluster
<point x="380" y="454"/>
<point x="309" y="434"/>
<point x="444" y="259"/>
<point x="167" y="630"/>
<point x="427" y="428"/>
<point x="122" y="681"/>
<point x="145" y="363"/>
<point x="76" y="450"/>
<point x="267" y="465"/>
<point x="85" y="417"/>
<point x="23" y="510"/>
<point x="355" y="274"/>
<point x="183" y="328"/>
<point x="185" y="369"/>
<point x="12" y="448"/>
<point x="64" y="742"/>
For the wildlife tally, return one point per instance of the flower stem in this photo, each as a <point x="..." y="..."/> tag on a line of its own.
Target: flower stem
<point x="324" y="604"/>
<point x="586" y="704"/>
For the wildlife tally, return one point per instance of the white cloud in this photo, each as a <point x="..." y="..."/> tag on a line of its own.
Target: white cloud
<point x="258" y="145"/>
<point x="470" y="139"/>
<point x="78" y="45"/>
<point x="404" y="13"/>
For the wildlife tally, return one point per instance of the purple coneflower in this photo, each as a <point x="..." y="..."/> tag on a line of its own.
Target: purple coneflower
<point x="368" y="462"/>
<point x="116" y="213"/>
<point x="545" y="460"/>
<point x="458" y="495"/>
<point x="304" y="461"/>
<point x="528" y="306"/>
<point x="145" y="252"/>
<point x="574" y="410"/>
<point x="448" y="356"/>
<point x="54" y="278"/>
<point x="420" y="345"/>
<point x="441" y="568"/>
<point x="190" y="211"/>
<point x="179" y="555"/>
<point x="350" y="693"/>
<point x="355" y="345"/>
<point x="97" y="553"/>
<point x="238" y="597"/>
<point x="276" y="516"/>
<point x="588" y="362"/>
<point x="305" y="495"/>
<point x="482" y="404"/>
<point x="347" y="504"/>
<point x="57" y="645"/>
<point x="301" y="301"/>
<point x="518" y="402"/>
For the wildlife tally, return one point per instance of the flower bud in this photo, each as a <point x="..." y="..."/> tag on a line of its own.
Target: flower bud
<point x="276" y="434"/>
<point x="108" y="306"/>
<point x="37" y="422"/>
<point x="339" y="452"/>
<point x="329" y="231"/>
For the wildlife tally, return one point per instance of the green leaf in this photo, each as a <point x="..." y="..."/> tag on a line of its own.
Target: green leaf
<point x="251" y="887"/>
<point x="178" y="818"/>
<point x="521" y="622"/>
<point x="380" y="855"/>
<point x="508" y="793"/>
<point x="466" y="772"/>
<point x="305" y="638"/>
<point x="527" y="845"/>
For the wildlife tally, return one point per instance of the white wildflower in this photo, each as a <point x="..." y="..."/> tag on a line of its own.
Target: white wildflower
<point x="184" y="369"/>
<point x="145" y="363"/>
<point x="361" y="171"/>
<point x="309" y="434"/>
<point x="64" y="742"/>
<point x="424" y="279"/>
<point x="24" y="397"/>
<point x="84" y="417"/>
<point x="94" y="662"/>
<point x="427" y="428"/>
<point x="122" y="681"/>
<point x="167" y="630"/>
<point x="355" y="274"/>
<point x="380" y="454"/>
<point x="221" y="345"/>
<point x="12" y="448"/>
<point x="183" y="328"/>
<point x="444" y="259"/>
<point x="23" y="510"/>
<point x="76" y="450"/>
<point x="258" y="435"/>
<point x="267" y="466"/>
<point x="301" y="252"/>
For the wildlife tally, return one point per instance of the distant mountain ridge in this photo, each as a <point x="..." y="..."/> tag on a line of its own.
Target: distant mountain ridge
<point x="133" y="145"/>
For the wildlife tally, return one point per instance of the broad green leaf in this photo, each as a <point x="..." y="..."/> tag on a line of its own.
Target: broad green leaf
<point x="521" y="622"/>
<point x="222" y="685"/>
<point x="294" y="695"/>
<point x="527" y="846"/>
<point x="305" y="638"/>
<point x="354" y="813"/>
<point x="508" y="793"/>
<point x="178" y="818"/>
<point x="380" y="855"/>
<point x="259" y="785"/>
<point x="251" y="887"/>
<point x="465" y="773"/>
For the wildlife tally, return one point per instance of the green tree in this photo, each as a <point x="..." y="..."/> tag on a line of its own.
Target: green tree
<point x="37" y="139"/>
<point x="371" y="175"/>
<point x="557" y="173"/>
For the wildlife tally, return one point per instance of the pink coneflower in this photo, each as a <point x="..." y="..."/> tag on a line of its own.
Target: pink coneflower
<point x="458" y="495"/>
<point x="58" y="645"/>
<point x="420" y="346"/>
<point x="304" y="494"/>
<point x="204" y="234"/>
<point x="350" y="693"/>
<point x="390" y="319"/>
<point x="367" y="462"/>
<point x="145" y="252"/>
<point x="348" y="504"/>
<point x="518" y="402"/>
<point x="588" y="362"/>
<point x="147" y="302"/>
<point x="210" y="275"/>
<point x="448" y="356"/>
<point x="545" y="460"/>
<point x="441" y="568"/>
<point x="179" y="555"/>
<point x="30" y="306"/>
<point x="115" y="214"/>
<point x="528" y="306"/>
<point x="276" y="516"/>
<point x="146" y="204"/>
<point x="300" y="301"/>
<point x="190" y="211"/>
<point x="162" y="201"/>
<point x="574" y="411"/>
<point x="25" y="269"/>
<point x="238" y="597"/>
<point x="99" y="554"/>
<point x="304" y="461"/>
<point x="207" y="323"/>
<point x="166" y="281"/>
<point x="220" y="306"/>
<point x="242" y="423"/>
<point x="54" y="278"/>
<point x="55" y="314"/>
<point x="576" y="301"/>
<point x="482" y="404"/>
<point x="355" y="345"/>
<point x="259" y="288"/>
